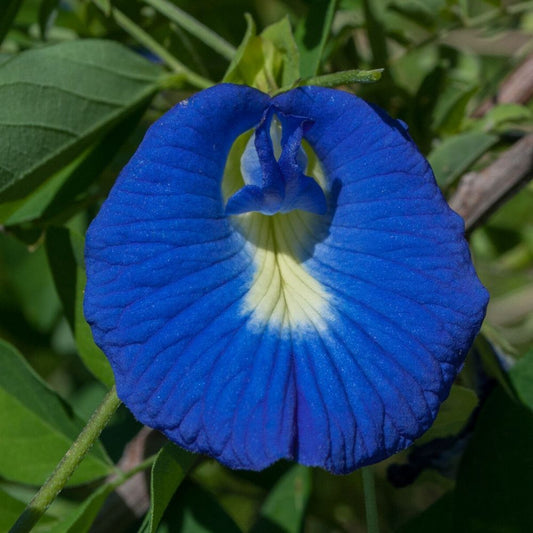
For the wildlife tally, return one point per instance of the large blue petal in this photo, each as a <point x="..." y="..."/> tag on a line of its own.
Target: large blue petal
<point x="382" y="301"/>
<point x="408" y="301"/>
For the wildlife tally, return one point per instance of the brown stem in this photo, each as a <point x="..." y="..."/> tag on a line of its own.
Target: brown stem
<point x="516" y="88"/>
<point x="480" y="193"/>
<point x="131" y="500"/>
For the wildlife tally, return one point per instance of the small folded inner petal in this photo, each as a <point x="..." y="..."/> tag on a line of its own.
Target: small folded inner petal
<point x="273" y="170"/>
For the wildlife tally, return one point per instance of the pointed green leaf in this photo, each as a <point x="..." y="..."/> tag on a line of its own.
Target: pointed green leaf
<point x="311" y="35"/>
<point x="8" y="12"/>
<point x="267" y="61"/>
<point x="282" y="57"/>
<point x="64" y="192"/>
<point x="285" y="505"/>
<point x="502" y="116"/>
<point x="453" y="156"/>
<point x="168" y="472"/>
<point x="194" y="27"/>
<point x="64" y="249"/>
<point x="46" y="10"/>
<point x="196" y="511"/>
<point x="81" y="519"/>
<point x="58" y="99"/>
<point x="450" y="109"/>
<point x="521" y="376"/>
<point x="37" y="426"/>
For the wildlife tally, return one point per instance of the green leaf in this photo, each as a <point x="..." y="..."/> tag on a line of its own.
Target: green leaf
<point x="489" y="344"/>
<point x="285" y="505"/>
<point x="376" y="32"/>
<point x="58" y="99"/>
<point x="191" y="25"/>
<point x="494" y="483"/>
<point x="453" y="414"/>
<point x="81" y="519"/>
<point x="64" y="249"/>
<point x="46" y="10"/>
<point x="168" y="472"/>
<point x="453" y="156"/>
<point x="8" y="12"/>
<point x="28" y="282"/>
<point x="521" y="376"/>
<point x="416" y="11"/>
<point x="195" y="511"/>
<point x="450" y="109"/>
<point x="62" y="195"/>
<point x="504" y="115"/>
<point x="282" y="56"/>
<point x="267" y="61"/>
<point x="11" y="508"/>
<point x="311" y="35"/>
<point x="37" y="427"/>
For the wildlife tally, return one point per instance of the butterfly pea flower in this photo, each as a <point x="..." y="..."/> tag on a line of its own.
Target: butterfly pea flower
<point x="263" y="313"/>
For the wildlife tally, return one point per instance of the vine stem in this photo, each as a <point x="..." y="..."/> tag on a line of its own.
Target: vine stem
<point x="70" y="461"/>
<point x="371" y="508"/>
<point x="151" y="44"/>
<point x="194" y="27"/>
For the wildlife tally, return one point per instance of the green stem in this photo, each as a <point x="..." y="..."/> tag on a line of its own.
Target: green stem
<point x="70" y="461"/>
<point x="124" y="476"/>
<point x="371" y="507"/>
<point x="151" y="44"/>
<point x="344" y="77"/>
<point x="191" y="25"/>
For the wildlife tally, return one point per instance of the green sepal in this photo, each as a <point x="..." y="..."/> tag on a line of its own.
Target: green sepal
<point x="266" y="61"/>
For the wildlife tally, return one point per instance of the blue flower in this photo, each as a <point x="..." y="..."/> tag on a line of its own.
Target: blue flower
<point x="271" y="314"/>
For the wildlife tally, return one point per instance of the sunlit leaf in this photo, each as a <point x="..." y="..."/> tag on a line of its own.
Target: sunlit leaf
<point x="37" y="426"/>
<point x="58" y="99"/>
<point x="60" y="194"/>
<point x="267" y="61"/>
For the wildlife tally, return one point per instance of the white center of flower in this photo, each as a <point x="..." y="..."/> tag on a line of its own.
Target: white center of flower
<point x="282" y="292"/>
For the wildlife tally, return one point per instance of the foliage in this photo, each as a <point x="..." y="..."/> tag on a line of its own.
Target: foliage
<point x="80" y="82"/>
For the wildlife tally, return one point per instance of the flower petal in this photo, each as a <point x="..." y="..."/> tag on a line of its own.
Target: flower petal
<point x="327" y="339"/>
<point x="408" y="302"/>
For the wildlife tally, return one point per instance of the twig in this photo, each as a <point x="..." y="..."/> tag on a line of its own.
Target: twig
<point x="70" y="461"/>
<point x="480" y="193"/>
<point x="131" y="500"/>
<point x="516" y="88"/>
